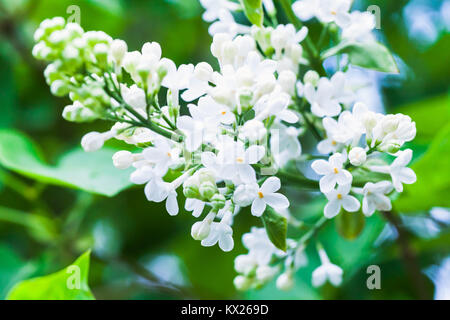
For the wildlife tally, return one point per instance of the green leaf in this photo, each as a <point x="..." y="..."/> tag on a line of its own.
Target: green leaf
<point x="92" y="172"/>
<point x="71" y="283"/>
<point x="350" y="224"/>
<point x="254" y="11"/>
<point x="41" y="228"/>
<point x="433" y="178"/>
<point x="276" y="227"/>
<point x="12" y="269"/>
<point x="372" y="55"/>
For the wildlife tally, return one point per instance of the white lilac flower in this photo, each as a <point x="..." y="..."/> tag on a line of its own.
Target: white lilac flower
<point x="196" y="129"/>
<point x="134" y="96"/>
<point x="267" y="195"/>
<point x="254" y="131"/>
<point x="359" y="27"/>
<point x="227" y="24"/>
<point x="327" y="271"/>
<point x="163" y="155"/>
<point x="400" y="174"/>
<point x="284" y="143"/>
<point x="357" y="156"/>
<point x="392" y="131"/>
<point x="265" y="273"/>
<point x="214" y="7"/>
<point x="275" y="104"/>
<point x="333" y="172"/>
<point x="306" y="9"/>
<point x="177" y="79"/>
<point x="338" y="199"/>
<point x="245" y="194"/>
<point x="221" y="233"/>
<point x="334" y="11"/>
<point x="375" y="197"/>
<point x="153" y="183"/>
<point x="235" y="161"/>
<point x="194" y="205"/>
<point x="323" y="103"/>
<point x="245" y="263"/>
<point x="260" y="248"/>
<point x="283" y="37"/>
<point x="213" y="112"/>
<point x="347" y="130"/>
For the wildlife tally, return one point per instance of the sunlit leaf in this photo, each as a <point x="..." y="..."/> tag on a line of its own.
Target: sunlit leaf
<point x="92" y="172"/>
<point x="371" y="55"/>
<point x="276" y="227"/>
<point x="254" y="11"/>
<point x="71" y="283"/>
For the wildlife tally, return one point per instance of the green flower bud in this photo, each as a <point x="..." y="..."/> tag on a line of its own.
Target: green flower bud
<point x="59" y="88"/>
<point x="101" y="54"/>
<point x="205" y="175"/>
<point x="190" y="188"/>
<point x="218" y="201"/>
<point x="76" y="112"/>
<point x="207" y="189"/>
<point x="311" y="77"/>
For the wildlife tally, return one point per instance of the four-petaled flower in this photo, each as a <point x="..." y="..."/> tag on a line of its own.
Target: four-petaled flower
<point x="338" y="199"/>
<point x="333" y="172"/>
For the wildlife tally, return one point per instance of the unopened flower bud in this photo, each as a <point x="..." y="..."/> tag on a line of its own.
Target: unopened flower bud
<point x="118" y="50"/>
<point x="357" y="156"/>
<point x="207" y="189"/>
<point x="205" y="175"/>
<point x="285" y="281"/>
<point x="190" y="188"/>
<point x="101" y="53"/>
<point x="218" y="201"/>
<point x="203" y="71"/>
<point x="201" y="229"/>
<point x="92" y="141"/>
<point x="77" y="112"/>
<point x="287" y="80"/>
<point x="59" y="88"/>
<point x="265" y="273"/>
<point x="311" y="77"/>
<point x="123" y="159"/>
<point x="242" y="283"/>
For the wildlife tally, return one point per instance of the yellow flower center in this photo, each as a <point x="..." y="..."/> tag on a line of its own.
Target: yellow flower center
<point x="239" y="160"/>
<point x="333" y="13"/>
<point x="339" y="196"/>
<point x="224" y="113"/>
<point x="333" y="143"/>
<point x="169" y="154"/>
<point x="336" y="171"/>
<point x="260" y="195"/>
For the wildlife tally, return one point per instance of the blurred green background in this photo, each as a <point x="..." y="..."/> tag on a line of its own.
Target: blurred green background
<point x="139" y="251"/>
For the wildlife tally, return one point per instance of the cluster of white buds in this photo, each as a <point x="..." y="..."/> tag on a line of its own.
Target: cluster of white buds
<point x="240" y="127"/>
